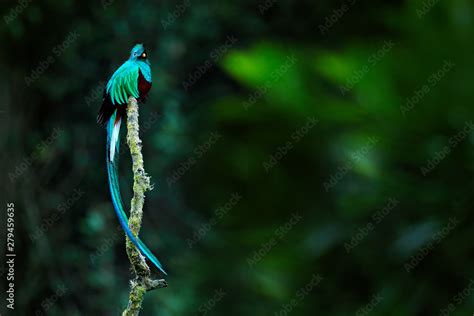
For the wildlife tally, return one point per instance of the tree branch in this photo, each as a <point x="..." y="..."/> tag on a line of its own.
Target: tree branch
<point x="142" y="282"/>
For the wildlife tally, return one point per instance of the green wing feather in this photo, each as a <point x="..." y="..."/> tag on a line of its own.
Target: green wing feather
<point x="124" y="83"/>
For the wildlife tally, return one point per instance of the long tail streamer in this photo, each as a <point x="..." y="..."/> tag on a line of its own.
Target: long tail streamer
<point x="113" y="131"/>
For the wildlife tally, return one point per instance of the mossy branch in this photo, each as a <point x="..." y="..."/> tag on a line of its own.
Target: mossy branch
<point x="142" y="282"/>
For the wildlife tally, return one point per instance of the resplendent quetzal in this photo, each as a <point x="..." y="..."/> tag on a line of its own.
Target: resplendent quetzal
<point x="132" y="79"/>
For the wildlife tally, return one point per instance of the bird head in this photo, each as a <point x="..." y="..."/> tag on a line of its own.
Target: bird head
<point x="139" y="53"/>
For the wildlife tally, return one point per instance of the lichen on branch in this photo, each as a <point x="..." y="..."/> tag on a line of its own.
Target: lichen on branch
<point x="142" y="281"/>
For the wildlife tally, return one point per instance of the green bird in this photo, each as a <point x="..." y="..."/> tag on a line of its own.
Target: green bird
<point x="132" y="79"/>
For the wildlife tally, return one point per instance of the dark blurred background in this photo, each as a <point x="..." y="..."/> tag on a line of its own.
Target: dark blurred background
<point x="309" y="157"/>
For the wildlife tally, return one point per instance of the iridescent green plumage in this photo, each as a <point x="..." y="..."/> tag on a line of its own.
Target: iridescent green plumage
<point x="132" y="79"/>
<point x="124" y="83"/>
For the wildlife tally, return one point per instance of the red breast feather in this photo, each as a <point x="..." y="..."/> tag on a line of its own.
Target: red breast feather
<point x="143" y="85"/>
